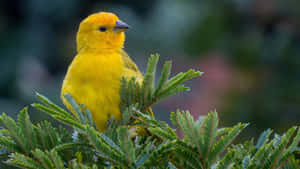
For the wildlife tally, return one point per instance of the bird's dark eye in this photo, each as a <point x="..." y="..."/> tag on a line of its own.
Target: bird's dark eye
<point x="102" y="28"/>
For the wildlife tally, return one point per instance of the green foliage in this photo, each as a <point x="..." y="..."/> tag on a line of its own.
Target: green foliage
<point x="202" y="145"/>
<point x="269" y="153"/>
<point x="148" y="94"/>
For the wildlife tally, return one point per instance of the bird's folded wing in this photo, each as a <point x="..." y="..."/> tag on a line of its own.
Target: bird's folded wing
<point x="131" y="69"/>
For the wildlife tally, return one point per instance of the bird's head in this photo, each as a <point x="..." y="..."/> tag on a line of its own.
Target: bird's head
<point x="101" y="31"/>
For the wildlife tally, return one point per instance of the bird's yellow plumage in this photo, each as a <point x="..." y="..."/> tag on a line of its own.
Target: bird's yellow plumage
<point x="93" y="78"/>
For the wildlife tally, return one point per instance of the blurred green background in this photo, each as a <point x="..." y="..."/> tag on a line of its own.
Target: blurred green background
<point x="248" y="49"/>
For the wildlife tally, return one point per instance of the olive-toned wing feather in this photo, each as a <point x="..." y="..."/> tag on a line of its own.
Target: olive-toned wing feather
<point x="131" y="69"/>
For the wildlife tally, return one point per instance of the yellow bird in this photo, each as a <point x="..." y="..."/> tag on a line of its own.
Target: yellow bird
<point x="93" y="78"/>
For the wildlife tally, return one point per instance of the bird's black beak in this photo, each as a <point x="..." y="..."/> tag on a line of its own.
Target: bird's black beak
<point x="121" y="26"/>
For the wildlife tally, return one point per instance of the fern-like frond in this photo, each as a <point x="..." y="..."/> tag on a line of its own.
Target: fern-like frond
<point x="15" y="133"/>
<point x="191" y="131"/>
<point x="22" y="161"/>
<point x="224" y="142"/>
<point x="227" y="162"/>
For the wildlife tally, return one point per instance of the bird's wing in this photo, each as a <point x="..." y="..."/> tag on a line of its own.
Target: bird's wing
<point x="131" y="69"/>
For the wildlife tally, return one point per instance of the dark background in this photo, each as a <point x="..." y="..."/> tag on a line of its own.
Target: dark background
<point x="249" y="51"/>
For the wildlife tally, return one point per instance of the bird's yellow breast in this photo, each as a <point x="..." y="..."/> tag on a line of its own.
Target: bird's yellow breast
<point x="93" y="79"/>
